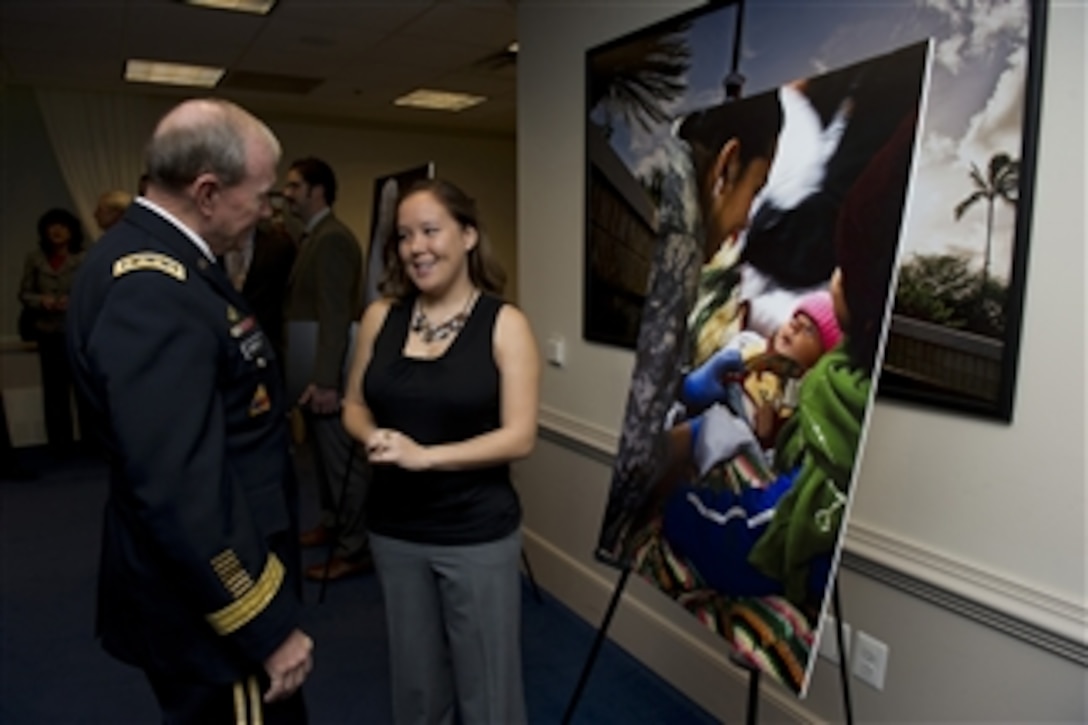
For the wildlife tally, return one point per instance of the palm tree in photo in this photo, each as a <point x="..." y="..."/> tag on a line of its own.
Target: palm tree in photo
<point x="1001" y="182"/>
<point x="636" y="81"/>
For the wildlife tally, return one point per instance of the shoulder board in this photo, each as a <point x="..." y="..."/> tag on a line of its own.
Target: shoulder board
<point x="149" y="260"/>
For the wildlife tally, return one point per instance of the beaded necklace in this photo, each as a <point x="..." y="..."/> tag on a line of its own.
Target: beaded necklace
<point x="433" y="333"/>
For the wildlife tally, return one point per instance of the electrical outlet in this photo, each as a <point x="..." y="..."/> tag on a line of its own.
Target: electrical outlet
<point x="829" y="642"/>
<point x="556" y="351"/>
<point x="870" y="660"/>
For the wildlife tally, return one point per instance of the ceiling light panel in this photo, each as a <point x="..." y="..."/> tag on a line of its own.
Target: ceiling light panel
<point x="172" y="74"/>
<point x="438" y="100"/>
<point x="255" y="7"/>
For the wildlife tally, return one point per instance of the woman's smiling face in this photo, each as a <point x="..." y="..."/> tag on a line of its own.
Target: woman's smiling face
<point x="433" y="245"/>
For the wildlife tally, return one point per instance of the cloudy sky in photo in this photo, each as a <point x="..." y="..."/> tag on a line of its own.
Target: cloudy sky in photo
<point x="973" y="110"/>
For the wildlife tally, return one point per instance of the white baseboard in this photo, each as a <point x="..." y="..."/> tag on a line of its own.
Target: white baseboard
<point x="1011" y="600"/>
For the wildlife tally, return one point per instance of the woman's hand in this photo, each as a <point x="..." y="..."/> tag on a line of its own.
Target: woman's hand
<point x="391" y="447"/>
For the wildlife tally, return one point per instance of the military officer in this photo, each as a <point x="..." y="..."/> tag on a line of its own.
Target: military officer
<point x="199" y="571"/>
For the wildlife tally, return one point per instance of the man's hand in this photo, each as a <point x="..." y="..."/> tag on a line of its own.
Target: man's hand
<point x="288" y="666"/>
<point x="322" y="401"/>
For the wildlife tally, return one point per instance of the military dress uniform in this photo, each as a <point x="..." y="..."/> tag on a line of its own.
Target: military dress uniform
<point x="199" y="570"/>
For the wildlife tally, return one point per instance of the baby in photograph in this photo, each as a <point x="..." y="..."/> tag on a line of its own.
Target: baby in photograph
<point x="742" y="394"/>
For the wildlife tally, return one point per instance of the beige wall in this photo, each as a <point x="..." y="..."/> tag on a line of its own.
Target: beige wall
<point x="484" y="165"/>
<point x="993" y="513"/>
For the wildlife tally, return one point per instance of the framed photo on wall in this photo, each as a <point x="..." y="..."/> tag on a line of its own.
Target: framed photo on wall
<point x="955" y="332"/>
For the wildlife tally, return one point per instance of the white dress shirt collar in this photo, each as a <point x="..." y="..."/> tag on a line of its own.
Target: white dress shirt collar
<point x="193" y="236"/>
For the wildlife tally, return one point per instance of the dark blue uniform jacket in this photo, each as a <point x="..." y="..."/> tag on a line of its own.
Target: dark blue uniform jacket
<point x="199" y="560"/>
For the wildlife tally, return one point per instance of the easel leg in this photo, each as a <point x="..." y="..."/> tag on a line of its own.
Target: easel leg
<point x="752" y="716"/>
<point x="529" y="575"/>
<point x="338" y="522"/>
<point x="844" y="673"/>
<point x="596" y="648"/>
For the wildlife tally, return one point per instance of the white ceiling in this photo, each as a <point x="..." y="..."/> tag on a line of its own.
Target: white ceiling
<point x="365" y="52"/>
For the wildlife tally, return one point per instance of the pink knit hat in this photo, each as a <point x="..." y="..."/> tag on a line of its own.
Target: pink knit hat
<point x="819" y="307"/>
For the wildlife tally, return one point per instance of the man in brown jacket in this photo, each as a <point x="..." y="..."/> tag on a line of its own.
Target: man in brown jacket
<point x="326" y="288"/>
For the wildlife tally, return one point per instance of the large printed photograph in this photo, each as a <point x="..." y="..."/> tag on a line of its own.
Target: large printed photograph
<point x="954" y="337"/>
<point x="775" y="228"/>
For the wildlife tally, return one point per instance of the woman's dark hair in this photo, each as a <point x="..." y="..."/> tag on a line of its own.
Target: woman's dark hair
<point x="64" y="218"/>
<point x="866" y="240"/>
<point x="754" y="122"/>
<point x="483" y="268"/>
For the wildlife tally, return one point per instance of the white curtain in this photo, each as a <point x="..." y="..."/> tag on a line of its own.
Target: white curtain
<point x="98" y="139"/>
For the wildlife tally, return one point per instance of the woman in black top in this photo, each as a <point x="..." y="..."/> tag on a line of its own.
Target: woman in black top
<point x="443" y="392"/>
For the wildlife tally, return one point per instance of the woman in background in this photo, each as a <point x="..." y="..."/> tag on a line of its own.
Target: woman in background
<point x="46" y="283"/>
<point x="443" y="392"/>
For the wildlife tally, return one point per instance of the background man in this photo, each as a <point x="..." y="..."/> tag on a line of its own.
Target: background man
<point x="326" y="288"/>
<point x="260" y="269"/>
<point x="111" y="207"/>
<point x="198" y="583"/>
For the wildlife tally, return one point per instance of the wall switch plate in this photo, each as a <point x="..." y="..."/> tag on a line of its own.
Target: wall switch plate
<point x="870" y="660"/>
<point x="829" y="642"/>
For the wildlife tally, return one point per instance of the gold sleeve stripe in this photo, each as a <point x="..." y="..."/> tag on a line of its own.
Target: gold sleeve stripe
<point x="150" y="260"/>
<point x="243" y="610"/>
<point x="238" y="584"/>
<point x="226" y="561"/>
<point x="234" y="578"/>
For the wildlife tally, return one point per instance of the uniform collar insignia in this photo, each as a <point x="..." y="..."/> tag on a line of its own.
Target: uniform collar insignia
<point x="243" y="327"/>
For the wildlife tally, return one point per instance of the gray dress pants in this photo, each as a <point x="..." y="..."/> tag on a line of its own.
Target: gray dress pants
<point x="454" y="620"/>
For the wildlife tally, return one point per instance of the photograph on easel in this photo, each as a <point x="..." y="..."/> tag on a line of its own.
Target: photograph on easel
<point x="778" y="221"/>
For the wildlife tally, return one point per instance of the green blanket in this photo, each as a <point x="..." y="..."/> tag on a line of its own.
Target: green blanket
<point x="822" y="438"/>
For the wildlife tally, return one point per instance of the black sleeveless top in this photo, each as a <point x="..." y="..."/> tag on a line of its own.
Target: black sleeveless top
<point x="448" y="399"/>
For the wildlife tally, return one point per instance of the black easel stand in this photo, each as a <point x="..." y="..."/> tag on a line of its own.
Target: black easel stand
<point x="754" y="673"/>
<point x="844" y="674"/>
<point x="334" y="535"/>
<point x="598" y="641"/>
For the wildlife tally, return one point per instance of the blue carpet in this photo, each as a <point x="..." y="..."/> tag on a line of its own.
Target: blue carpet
<point x="53" y="671"/>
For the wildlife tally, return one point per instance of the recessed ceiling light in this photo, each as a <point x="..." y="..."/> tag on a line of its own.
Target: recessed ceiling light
<point x="438" y="100"/>
<point x="512" y="48"/>
<point x="172" y="74"/>
<point x="256" y="7"/>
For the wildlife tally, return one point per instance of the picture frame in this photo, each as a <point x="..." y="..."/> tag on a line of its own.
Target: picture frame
<point x="956" y="351"/>
<point x="944" y="364"/>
